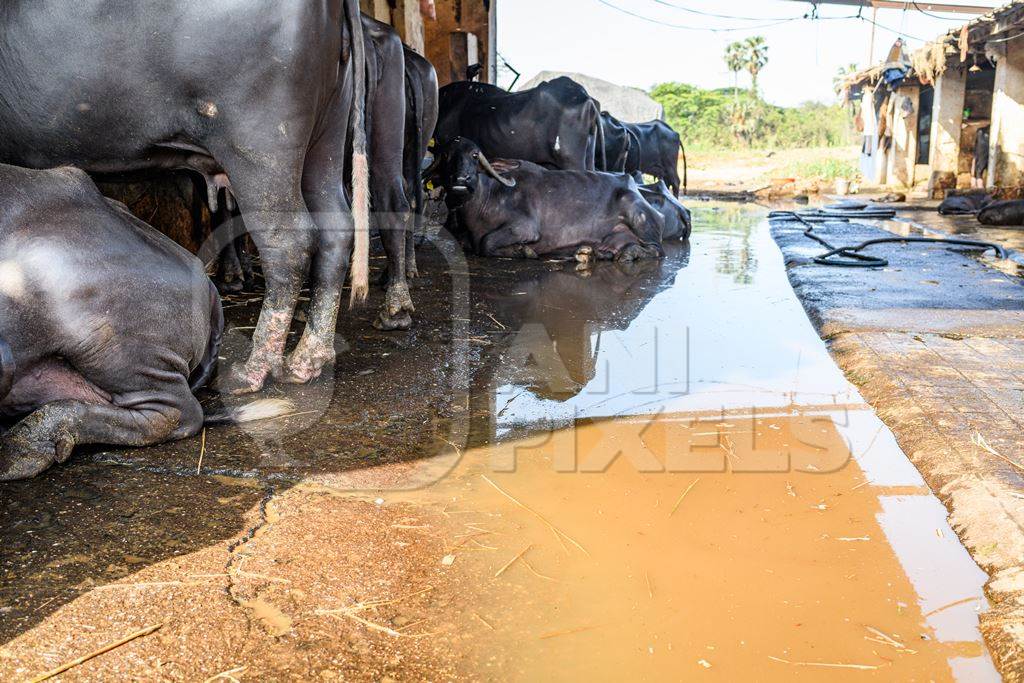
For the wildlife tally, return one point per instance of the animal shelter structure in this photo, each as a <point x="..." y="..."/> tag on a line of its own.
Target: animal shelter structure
<point x="949" y="115"/>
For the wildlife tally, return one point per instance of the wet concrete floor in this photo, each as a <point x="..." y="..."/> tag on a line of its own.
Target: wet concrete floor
<point x="654" y="471"/>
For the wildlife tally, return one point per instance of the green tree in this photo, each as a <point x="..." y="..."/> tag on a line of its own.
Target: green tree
<point x="730" y="118"/>
<point x="755" y="58"/>
<point x="735" y="60"/>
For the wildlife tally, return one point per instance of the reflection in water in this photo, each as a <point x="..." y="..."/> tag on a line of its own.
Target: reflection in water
<point x="737" y="257"/>
<point x="682" y="334"/>
<point x="556" y="319"/>
<point x="667" y="477"/>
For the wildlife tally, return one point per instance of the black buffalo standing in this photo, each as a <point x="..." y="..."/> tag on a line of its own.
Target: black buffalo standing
<point x="238" y="87"/>
<point x="556" y="125"/>
<point x="654" y="149"/>
<point x="617" y="145"/>
<point x="420" y="121"/>
<point x="520" y="209"/>
<point x="385" y="127"/>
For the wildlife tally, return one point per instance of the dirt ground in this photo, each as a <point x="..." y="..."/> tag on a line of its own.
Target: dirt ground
<point x="749" y="170"/>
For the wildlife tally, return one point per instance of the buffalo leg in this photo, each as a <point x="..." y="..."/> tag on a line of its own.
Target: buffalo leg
<point x="230" y="274"/>
<point x="394" y="229"/>
<point x="411" y="271"/>
<point x="497" y="241"/>
<point x="323" y="178"/>
<point x="316" y="349"/>
<point x="283" y="231"/>
<point x="48" y="435"/>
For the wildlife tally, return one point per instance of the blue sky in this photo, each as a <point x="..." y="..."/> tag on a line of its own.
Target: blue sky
<point x="591" y="37"/>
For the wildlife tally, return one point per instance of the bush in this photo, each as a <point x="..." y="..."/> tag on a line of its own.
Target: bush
<point x="730" y="118"/>
<point x="825" y="169"/>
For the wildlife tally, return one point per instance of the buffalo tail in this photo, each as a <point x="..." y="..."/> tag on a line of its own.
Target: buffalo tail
<point x="683" y="149"/>
<point x="360" y="271"/>
<point x="262" y="409"/>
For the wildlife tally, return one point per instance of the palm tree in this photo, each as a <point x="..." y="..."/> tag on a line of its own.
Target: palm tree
<point x="841" y="75"/>
<point x="756" y="57"/>
<point x="735" y="60"/>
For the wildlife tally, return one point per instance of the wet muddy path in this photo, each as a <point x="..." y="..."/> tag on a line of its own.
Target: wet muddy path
<point x="654" y="471"/>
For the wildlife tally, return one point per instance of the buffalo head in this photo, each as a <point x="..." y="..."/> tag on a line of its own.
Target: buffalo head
<point x="457" y="167"/>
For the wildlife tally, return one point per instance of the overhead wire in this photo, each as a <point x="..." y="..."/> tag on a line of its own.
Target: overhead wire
<point x="812" y="15"/>
<point x="719" y="16"/>
<point x="694" y="28"/>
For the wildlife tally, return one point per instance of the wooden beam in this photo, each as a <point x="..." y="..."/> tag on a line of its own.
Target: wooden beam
<point x="903" y="4"/>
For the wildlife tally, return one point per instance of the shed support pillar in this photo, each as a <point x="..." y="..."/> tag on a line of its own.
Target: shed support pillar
<point x="947" y="121"/>
<point x="1006" y="154"/>
<point x="903" y="156"/>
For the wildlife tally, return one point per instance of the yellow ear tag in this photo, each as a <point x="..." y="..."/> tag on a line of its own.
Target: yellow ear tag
<point x="430" y="185"/>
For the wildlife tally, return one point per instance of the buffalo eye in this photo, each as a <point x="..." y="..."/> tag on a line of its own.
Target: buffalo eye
<point x="476" y="155"/>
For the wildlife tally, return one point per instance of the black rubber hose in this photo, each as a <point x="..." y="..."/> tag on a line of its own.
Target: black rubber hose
<point x="854" y="259"/>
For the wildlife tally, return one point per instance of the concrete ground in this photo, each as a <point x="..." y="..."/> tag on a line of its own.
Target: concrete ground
<point x="935" y="342"/>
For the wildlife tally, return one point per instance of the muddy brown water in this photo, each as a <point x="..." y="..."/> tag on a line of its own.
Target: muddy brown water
<point x="654" y="472"/>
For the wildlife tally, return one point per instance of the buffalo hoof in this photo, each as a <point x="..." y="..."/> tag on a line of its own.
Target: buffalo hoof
<point x="585" y="255"/>
<point x="232" y="286"/>
<point x="411" y="271"/>
<point x="386" y="323"/>
<point x="634" y="252"/>
<point x="33" y="445"/>
<point x="243" y="379"/>
<point x="305" y="364"/>
<point x="398" y="300"/>
<point x="299" y="372"/>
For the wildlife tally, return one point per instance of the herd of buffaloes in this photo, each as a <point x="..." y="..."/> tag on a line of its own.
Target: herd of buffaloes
<point x="297" y="117"/>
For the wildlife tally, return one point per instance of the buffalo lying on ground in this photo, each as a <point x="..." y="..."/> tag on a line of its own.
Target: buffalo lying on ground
<point x="78" y="356"/>
<point x="678" y="223"/>
<point x="115" y="103"/>
<point x="519" y="209"/>
<point x="964" y="204"/>
<point x="1009" y="212"/>
<point x="556" y="125"/>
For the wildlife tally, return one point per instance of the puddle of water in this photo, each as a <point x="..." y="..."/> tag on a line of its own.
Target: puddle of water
<point x="673" y="478"/>
<point x="725" y="331"/>
<point x="765" y="556"/>
<point x="932" y="224"/>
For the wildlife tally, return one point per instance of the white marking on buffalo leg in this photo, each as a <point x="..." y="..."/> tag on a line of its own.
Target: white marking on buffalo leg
<point x="558" y="143"/>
